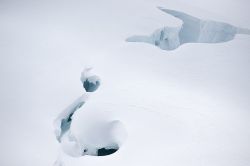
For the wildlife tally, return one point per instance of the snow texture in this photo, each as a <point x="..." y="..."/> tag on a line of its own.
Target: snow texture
<point x="193" y="30"/>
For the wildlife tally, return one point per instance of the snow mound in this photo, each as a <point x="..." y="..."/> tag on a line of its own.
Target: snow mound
<point x="193" y="30"/>
<point x="99" y="132"/>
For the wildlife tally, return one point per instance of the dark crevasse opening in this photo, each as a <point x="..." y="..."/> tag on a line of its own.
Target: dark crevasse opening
<point x="65" y="125"/>
<point x="105" y="152"/>
<point x="90" y="86"/>
<point x="192" y="30"/>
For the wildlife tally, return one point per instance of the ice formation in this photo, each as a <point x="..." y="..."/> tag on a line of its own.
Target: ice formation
<point x="100" y="134"/>
<point x="193" y="30"/>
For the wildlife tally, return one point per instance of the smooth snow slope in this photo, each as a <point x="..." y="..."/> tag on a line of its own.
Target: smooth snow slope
<point x="187" y="107"/>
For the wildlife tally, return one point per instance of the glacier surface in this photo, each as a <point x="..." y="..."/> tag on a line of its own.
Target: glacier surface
<point x="188" y="107"/>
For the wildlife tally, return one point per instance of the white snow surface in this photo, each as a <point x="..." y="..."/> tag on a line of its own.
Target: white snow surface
<point x="186" y="107"/>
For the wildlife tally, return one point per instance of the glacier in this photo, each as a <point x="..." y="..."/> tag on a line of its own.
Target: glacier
<point x="187" y="107"/>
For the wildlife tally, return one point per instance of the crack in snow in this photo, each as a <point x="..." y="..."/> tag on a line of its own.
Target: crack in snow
<point x="113" y="132"/>
<point x="193" y="30"/>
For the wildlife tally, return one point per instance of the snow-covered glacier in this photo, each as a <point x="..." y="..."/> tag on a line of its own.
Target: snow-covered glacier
<point x="136" y="105"/>
<point x="193" y="30"/>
